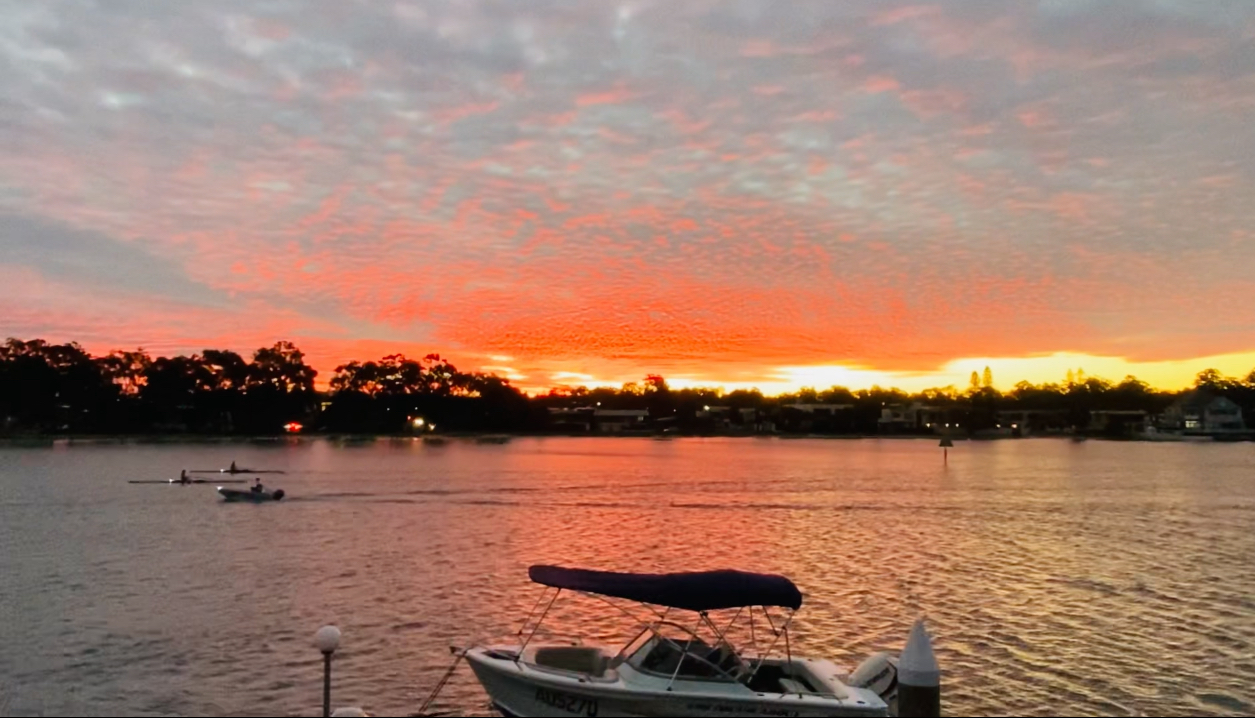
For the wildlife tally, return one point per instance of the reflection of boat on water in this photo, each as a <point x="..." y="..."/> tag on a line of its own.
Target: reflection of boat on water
<point x="681" y="667"/>
<point x="492" y="439"/>
<point x="1153" y="434"/>
<point x="354" y="440"/>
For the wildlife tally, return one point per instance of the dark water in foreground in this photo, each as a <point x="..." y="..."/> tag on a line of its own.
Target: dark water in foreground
<point x="1058" y="578"/>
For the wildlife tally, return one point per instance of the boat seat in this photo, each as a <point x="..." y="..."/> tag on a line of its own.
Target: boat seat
<point x="575" y="659"/>
<point x="788" y="686"/>
<point x="727" y="660"/>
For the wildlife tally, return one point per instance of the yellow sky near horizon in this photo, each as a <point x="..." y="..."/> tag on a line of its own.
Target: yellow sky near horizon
<point x="1171" y="375"/>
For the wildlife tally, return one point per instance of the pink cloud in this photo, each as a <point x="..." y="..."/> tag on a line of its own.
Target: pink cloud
<point x="904" y="13"/>
<point x="758" y="48"/>
<point x="615" y="96"/>
<point x="880" y="83"/>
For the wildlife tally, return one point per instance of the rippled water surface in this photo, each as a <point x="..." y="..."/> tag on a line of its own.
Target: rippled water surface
<point x="1058" y="577"/>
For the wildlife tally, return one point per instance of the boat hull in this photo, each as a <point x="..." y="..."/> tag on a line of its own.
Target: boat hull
<point x="251" y="497"/>
<point x="517" y="690"/>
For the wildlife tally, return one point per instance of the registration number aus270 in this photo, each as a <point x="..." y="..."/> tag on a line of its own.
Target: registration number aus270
<point x="568" y="703"/>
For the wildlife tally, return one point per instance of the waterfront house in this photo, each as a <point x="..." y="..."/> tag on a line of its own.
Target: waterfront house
<point x="617" y="421"/>
<point x="817" y="418"/>
<point x="918" y="417"/>
<point x="1116" y="421"/>
<point x="574" y="420"/>
<point x="1202" y="413"/>
<point x="1031" y="422"/>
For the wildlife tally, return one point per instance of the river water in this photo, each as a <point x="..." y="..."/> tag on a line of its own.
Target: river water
<point x="1058" y="578"/>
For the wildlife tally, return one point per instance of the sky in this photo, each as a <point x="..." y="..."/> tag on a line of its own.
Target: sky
<point x="732" y="192"/>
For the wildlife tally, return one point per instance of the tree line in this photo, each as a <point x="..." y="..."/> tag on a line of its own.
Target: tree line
<point x="61" y="389"/>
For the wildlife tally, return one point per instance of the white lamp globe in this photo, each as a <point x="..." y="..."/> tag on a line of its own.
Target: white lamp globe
<point x="327" y="639"/>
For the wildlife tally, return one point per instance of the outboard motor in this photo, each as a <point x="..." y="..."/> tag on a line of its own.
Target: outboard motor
<point x="279" y="495"/>
<point x="879" y="674"/>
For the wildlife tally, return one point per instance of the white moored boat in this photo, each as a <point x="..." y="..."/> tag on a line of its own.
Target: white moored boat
<point x="682" y="667"/>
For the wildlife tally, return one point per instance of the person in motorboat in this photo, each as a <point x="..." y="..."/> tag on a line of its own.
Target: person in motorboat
<point x="257" y="487"/>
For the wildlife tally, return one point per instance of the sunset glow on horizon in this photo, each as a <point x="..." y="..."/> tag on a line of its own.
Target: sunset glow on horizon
<point x="744" y="195"/>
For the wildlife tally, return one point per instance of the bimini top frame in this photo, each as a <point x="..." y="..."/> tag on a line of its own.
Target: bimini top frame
<point x="699" y="592"/>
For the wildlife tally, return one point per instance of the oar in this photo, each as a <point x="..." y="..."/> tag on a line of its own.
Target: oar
<point x="193" y="481"/>
<point x="235" y="471"/>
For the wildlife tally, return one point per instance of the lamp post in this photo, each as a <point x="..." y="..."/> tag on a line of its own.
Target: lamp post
<point x="327" y="640"/>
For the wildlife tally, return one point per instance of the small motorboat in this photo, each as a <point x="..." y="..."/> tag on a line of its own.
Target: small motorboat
<point x="681" y="663"/>
<point x="256" y="497"/>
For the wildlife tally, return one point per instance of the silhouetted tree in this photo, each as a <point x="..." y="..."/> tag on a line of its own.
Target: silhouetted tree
<point x="282" y="368"/>
<point x="658" y="396"/>
<point x="125" y="369"/>
<point x="1214" y="381"/>
<point x="169" y="391"/>
<point x="226" y="371"/>
<point x="278" y="388"/>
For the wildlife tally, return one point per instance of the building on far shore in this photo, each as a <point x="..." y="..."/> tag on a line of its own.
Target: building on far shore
<point x="920" y="418"/>
<point x="819" y="418"/>
<point x="1033" y="422"/>
<point x="618" y="421"/>
<point x="594" y="420"/>
<point x="1117" y="421"/>
<point x="1202" y="413"/>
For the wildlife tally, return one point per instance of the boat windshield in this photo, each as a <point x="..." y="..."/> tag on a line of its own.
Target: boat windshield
<point x="683" y="655"/>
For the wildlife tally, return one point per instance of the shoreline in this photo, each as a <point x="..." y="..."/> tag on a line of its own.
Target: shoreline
<point x="54" y="440"/>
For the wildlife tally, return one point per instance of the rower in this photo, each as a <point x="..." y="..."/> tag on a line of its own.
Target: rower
<point x="233" y="469"/>
<point x="183" y="478"/>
